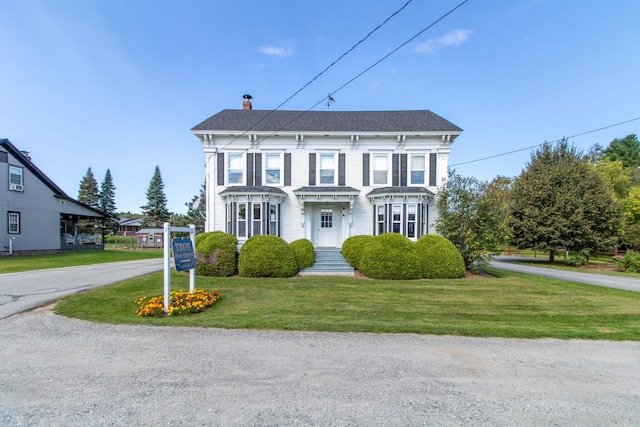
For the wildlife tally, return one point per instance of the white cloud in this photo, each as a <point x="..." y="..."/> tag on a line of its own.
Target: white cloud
<point x="283" y="51"/>
<point x="452" y="38"/>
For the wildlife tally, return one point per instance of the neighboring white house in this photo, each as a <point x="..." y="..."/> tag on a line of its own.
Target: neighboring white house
<point x="324" y="175"/>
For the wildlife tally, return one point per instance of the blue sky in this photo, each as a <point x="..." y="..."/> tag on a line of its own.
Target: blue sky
<point x="118" y="84"/>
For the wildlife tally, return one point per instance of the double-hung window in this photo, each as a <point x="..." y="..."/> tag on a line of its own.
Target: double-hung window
<point x="257" y="219"/>
<point x="273" y="220"/>
<point x="411" y="221"/>
<point x="380" y="169"/>
<point x="327" y="169"/>
<point x="273" y="168"/>
<point x="242" y="220"/>
<point x="381" y="219"/>
<point x="16" y="180"/>
<point x="418" y="169"/>
<point x="235" y="171"/>
<point x="14" y="222"/>
<point x="396" y="219"/>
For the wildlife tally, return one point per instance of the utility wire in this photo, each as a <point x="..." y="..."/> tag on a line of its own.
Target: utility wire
<point x="322" y="72"/>
<point x="356" y="77"/>
<point x="546" y="142"/>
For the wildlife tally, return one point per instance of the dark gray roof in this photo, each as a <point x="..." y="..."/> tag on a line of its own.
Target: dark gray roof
<point x="57" y="191"/>
<point x="244" y="189"/>
<point x="400" y="190"/>
<point x="326" y="121"/>
<point x="337" y="189"/>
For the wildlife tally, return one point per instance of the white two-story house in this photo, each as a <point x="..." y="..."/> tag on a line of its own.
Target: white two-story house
<point x="324" y="175"/>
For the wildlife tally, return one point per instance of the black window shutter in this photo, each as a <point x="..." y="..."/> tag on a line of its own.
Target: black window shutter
<point x="220" y="168"/>
<point x="395" y="170"/>
<point x="234" y="217"/>
<point x="258" y="169"/>
<point x="312" y="168"/>
<point x="432" y="168"/>
<point x="265" y="218"/>
<point x="403" y="170"/>
<point x="287" y="168"/>
<point x="341" y="169"/>
<point x="365" y="169"/>
<point x="250" y="169"/>
<point x="418" y="221"/>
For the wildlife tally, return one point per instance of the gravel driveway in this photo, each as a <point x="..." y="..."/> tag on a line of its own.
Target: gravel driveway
<point x="65" y="372"/>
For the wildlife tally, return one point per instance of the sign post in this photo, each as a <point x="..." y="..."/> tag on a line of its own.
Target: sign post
<point x="184" y="258"/>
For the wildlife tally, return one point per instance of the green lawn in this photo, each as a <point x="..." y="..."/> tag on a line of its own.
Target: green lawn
<point x="509" y="305"/>
<point x="68" y="259"/>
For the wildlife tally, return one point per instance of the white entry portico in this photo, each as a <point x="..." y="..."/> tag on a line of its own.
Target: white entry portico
<point x="327" y="214"/>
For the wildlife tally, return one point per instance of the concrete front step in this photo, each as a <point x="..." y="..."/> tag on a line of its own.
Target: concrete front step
<point x="328" y="263"/>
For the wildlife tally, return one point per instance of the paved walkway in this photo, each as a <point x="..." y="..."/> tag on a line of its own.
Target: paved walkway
<point x="30" y="289"/>
<point x="609" y="281"/>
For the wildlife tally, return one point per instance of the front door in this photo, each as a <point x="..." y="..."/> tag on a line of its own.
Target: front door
<point x="328" y="223"/>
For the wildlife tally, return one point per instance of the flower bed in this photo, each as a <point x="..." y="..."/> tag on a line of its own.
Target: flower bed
<point x="182" y="303"/>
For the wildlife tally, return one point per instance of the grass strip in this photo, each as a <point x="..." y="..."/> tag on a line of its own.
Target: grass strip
<point x="15" y="264"/>
<point x="511" y="305"/>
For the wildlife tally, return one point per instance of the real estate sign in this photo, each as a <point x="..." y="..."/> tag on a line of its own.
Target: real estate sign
<point x="183" y="253"/>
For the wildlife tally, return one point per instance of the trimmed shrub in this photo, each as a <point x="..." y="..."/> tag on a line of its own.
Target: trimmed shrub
<point x="267" y="256"/>
<point x="439" y="258"/>
<point x="216" y="254"/>
<point x="576" y="260"/>
<point x="390" y="256"/>
<point x="303" y="250"/>
<point x="352" y="249"/>
<point x="630" y="262"/>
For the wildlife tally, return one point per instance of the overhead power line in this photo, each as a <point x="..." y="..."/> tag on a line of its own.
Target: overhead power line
<point x="322" y="72"/>
<point x="546" y="142"/>
<point x="354" y="78"/>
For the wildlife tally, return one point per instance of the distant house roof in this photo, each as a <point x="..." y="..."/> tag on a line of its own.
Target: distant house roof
<point x="150" y="231"/>
<point x="131" y="222"/>
<point x="26" y="162"/>
<point x="327" y="121"/>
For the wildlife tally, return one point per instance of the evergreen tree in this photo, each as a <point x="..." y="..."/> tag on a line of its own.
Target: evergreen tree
<point x="108" y="203"/>
<point x="560" y="200"/>
<point x="626" y="150"/>
<point x="155" y="211"/>
<point x="88" y="193"/>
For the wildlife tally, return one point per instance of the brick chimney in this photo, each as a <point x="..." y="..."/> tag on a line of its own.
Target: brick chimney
<point x="246" y="102"/>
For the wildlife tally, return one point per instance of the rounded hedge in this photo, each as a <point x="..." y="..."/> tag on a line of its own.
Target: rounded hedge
<point x="216" y="254"/>
<point x="267" y="256"/>
<point x="439" y="258"/>
<point x="390" y="256"/>
<point x="352" y="249"/>
<point x="303" y="250"/>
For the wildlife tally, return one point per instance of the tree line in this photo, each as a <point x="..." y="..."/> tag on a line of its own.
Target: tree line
<point x="564" y="198"/>
<point x="154" y="213"/>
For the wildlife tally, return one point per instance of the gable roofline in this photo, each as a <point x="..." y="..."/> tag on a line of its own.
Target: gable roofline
<point x="57" y="191"/>
<point x="417" y="121"/>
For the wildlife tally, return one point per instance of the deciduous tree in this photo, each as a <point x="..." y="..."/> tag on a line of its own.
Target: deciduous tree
<point x="472" y="217"/>
<point x="559" y="200"/>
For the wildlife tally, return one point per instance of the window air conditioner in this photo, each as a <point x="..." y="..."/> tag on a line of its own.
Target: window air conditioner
<point x="15" y="187"/>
